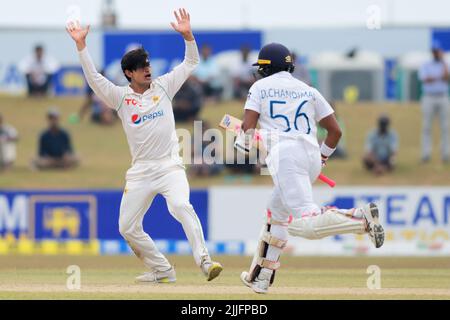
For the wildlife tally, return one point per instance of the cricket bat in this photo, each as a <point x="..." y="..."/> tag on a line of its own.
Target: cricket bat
<point x="233" y="124"/>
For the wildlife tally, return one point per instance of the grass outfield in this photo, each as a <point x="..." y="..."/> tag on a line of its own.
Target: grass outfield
<point x="105" y="155"/>
<point x="102" y="277"/>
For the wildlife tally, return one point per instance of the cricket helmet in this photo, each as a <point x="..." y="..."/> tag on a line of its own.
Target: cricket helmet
<point x="273" y="58"/>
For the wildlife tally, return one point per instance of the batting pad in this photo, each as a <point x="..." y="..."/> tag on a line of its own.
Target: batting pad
<point x="329" y="223"/>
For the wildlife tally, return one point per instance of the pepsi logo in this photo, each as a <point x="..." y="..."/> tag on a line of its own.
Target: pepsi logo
<point x="136" y="119"/>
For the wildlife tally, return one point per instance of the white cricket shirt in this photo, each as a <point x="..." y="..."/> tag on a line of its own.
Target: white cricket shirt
<point x="433" y="69"/>
<point x="288" y="108"/>
<point x="147" y="118"/>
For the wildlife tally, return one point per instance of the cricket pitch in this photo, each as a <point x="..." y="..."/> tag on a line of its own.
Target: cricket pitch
<point x="102" y="277"/>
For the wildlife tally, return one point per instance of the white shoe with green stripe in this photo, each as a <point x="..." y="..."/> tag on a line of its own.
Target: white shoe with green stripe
<point x="168" y="276"/>
<point x="211" y="269"/>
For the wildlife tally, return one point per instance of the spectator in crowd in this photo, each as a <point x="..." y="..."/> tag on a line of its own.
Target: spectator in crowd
<point x="38" y="69"/>
<point x="55" y="147"/>
<point x="188" y="101"/>
<point x="100" y="113"/>
<point x="381" y="147"/>
<point x="435" y="76"/>
<point x="203" y="165"/>
<point x="109" y="15"/>
<point x="243" y="77"/>
<point x="8" y="139"/>
<point x="300" y="71"/>
<point x="207" y="74"/>
<point x="340" y="152"/>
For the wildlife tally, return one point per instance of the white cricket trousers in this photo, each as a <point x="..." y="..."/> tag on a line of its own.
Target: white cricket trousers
<point x="144" y="181"/>
<point x="435" y="106"/>
<point x="294" y="165"/>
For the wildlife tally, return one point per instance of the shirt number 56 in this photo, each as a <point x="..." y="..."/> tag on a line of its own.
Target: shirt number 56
<point x="298" y="114"/>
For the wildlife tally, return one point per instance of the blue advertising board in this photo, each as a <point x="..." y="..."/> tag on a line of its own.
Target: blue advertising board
<point x="441" y="35"/>
<point x="69" y="80"/>
<point x="390" y="79"/>
<point x="166" y="49"/>
<point x="86" y="215"/>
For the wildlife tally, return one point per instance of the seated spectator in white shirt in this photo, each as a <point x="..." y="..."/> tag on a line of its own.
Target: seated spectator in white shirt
<point x="38" y="69"/>
<point x="381" y="148"/>
<point x="243" y="77"/>
<point x="8" y="139"/>
<point x="207" y="74"/>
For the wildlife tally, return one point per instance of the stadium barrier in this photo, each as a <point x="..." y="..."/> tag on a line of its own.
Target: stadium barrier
<point x="416" y="220"/>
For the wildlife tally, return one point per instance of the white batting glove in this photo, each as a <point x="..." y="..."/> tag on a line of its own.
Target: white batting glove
<point x="325" y="152"/>
<point x="243" y="143"/>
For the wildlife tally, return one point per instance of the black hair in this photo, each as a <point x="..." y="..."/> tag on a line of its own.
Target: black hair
<point x="384" y="120"/>
<point x="133" y="60"/>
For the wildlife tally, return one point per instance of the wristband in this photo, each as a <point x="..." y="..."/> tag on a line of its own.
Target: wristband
<point x="326" y="150"/>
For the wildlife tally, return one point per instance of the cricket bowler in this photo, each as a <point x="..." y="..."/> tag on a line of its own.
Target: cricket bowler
<point x="145" y="109"/>
<point x="287" y="110"/>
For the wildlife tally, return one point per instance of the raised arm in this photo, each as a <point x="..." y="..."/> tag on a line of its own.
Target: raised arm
<point x="175" y="79"/>
<point x="105" y="89"/>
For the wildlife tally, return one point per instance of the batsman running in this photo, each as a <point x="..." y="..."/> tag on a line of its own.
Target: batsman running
<point x="145" y="109"/>
<point x="287" y="110"/>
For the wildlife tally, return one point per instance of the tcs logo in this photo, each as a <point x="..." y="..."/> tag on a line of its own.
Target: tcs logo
<point x="132" y="102"/>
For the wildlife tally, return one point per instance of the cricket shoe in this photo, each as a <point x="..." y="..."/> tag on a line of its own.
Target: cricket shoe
<point x="374" y="228"/>
<point x="260" y="284"/>
<point x="167" y="276"/>
<point x="244" y="276"/>
<point x="211" y="269"/>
